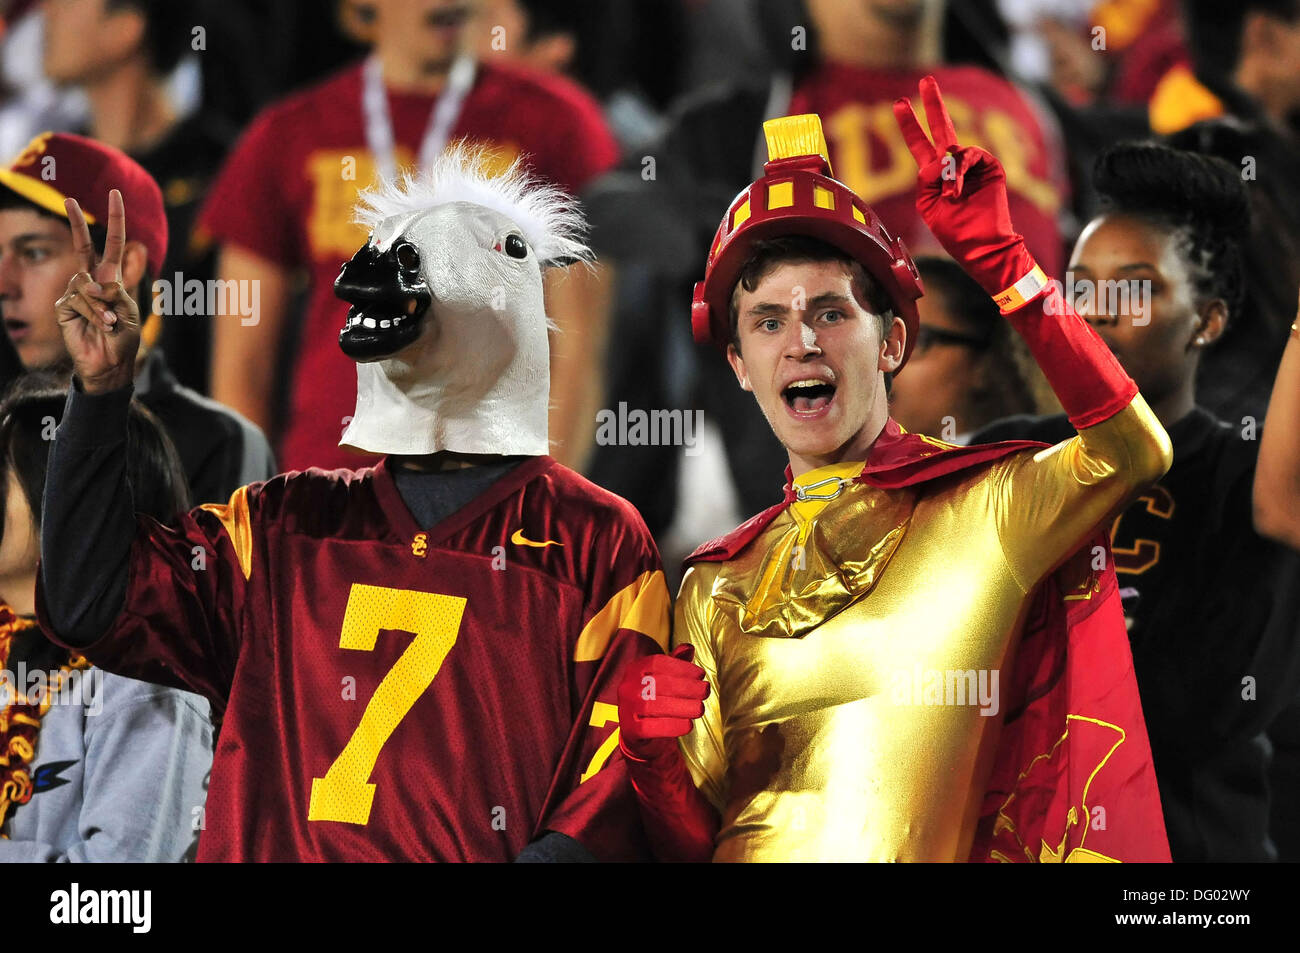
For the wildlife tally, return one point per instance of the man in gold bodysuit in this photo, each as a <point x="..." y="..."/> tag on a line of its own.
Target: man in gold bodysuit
<point x="857" y="665"/>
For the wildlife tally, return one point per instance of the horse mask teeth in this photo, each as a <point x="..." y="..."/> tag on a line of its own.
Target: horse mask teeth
<point x="382" y="286"/>
<point x="447" y="323"/>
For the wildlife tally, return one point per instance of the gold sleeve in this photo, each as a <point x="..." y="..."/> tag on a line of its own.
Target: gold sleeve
<point x="702" y="747"/>
<point x="1047" y="503"/>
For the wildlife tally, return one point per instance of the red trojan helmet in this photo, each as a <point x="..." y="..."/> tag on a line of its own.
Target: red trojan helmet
<point x="797" y="196"/>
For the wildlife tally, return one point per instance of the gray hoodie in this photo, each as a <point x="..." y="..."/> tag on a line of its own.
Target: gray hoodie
<point x="120" y="774"/>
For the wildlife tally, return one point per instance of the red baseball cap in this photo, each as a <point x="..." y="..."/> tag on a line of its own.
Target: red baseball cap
<point x="57" y="166"/>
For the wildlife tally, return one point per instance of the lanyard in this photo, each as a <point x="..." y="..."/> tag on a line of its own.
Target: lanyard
<point x="379" y="123"/>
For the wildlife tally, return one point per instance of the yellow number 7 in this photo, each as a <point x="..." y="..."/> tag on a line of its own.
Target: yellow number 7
<point x="344" y="794"/>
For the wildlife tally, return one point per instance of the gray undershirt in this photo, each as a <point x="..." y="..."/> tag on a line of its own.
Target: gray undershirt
<point x="432" y="496"/>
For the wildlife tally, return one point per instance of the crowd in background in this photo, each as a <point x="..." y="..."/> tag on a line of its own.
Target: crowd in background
<point x="247" y="113"/>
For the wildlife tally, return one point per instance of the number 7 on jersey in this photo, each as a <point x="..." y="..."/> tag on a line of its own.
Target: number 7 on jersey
<point x="344" y="794"/>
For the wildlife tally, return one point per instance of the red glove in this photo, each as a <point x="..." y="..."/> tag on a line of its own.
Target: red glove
<point x="658" y="698"/>
<point x="961" y="193"/>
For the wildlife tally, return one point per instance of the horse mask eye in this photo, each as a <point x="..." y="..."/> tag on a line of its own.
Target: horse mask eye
<point x="516" y="247"/>
<point x="408" y="257"/>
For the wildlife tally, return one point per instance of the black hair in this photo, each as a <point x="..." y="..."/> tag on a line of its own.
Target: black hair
<point x="1201" y="197"/>
<point x="33" y="406"/>
<point x="1007" y="389"/>
<point x="967" y="301"/>
<point x="166" y="32"/>
<point x="769" y="253"/>
<point x="551" y="17"/>
<point x="1215" y="29"/>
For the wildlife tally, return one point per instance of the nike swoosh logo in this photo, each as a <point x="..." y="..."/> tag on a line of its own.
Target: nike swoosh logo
<point x="518" y="539"/>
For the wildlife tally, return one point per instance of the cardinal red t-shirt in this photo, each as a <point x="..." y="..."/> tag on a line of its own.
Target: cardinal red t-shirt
<point x="869" y="155"/>
<point x="288" y="190"/>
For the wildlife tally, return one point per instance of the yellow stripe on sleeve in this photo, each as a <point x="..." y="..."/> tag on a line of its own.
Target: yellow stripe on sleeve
<point x="235" y="518"/>
<point x="642" y="606"/>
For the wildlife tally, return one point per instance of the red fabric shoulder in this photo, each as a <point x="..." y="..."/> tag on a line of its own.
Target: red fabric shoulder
<point x="897" y="459"/>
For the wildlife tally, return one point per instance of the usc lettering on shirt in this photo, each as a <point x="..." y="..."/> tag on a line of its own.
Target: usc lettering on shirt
<point x="868" y="153"/>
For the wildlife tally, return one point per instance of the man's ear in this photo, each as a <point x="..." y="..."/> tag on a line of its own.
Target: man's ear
<point x="1212" y="321"/>
<point x="891" y="348"/>
<point x="135" y="259"/>
<point x="738" y="366"/>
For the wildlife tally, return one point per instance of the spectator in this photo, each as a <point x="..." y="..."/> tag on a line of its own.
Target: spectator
<point x="96" y="767"/>
<point x="121" y="53"/>
<point x="220" y="450"/>
<point x="280" y="208"/>
<point x="29" y="102"/>
<point x="967" y="368"/>
<point x="1248" y="55"/>
<point x="847" y="62"/>
<point x="1211" y="606"/>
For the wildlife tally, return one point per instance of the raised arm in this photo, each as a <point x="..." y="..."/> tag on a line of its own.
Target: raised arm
<point x="136" y="596"/>
<point x="87" y="518"/>
<point x="1048" y="502"/>
<point x="1276" y="506"/>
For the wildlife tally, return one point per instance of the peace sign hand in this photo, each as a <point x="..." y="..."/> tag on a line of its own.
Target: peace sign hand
<point x="99" y="320"/>
<point x="961" y="193"/>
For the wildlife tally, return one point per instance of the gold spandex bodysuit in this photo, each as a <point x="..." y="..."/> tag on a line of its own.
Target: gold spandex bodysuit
<point x="814" y="744"/>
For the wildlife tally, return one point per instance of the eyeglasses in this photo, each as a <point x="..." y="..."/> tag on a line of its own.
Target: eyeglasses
<point x="927" y="337"/>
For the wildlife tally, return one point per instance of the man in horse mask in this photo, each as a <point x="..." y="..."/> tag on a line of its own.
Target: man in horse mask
<point x="483" y="725"/>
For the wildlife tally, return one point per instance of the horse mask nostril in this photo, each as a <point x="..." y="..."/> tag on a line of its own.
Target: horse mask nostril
<point x="408" y="257"/>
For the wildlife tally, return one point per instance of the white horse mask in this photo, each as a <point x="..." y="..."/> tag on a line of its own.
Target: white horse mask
<point x="447" y="325"/>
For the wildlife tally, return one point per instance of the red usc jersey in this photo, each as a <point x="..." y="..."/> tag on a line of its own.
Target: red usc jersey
<point x="869" y="155"/>
<point x="392" y="692"/>
<point x="288" y="189"/>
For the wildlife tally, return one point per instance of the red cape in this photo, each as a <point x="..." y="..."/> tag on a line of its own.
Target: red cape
<point x="1073" y="778"/>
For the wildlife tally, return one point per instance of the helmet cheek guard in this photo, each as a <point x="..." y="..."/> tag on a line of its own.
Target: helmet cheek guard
<point x="797" y="196"/>
<point x="701" y="324"/>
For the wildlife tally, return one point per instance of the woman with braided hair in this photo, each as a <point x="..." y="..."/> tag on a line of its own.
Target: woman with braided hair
<point x="1210" y="604"/>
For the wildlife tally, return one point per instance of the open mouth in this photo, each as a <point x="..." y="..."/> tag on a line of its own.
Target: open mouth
<point x="378" y="330"/>
<point x="389" y="300"/>
<point x="16" y="329"/>
<point x="808" y="398"/>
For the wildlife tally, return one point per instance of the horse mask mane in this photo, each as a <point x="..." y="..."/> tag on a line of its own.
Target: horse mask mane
<point x="447" y="324"/>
